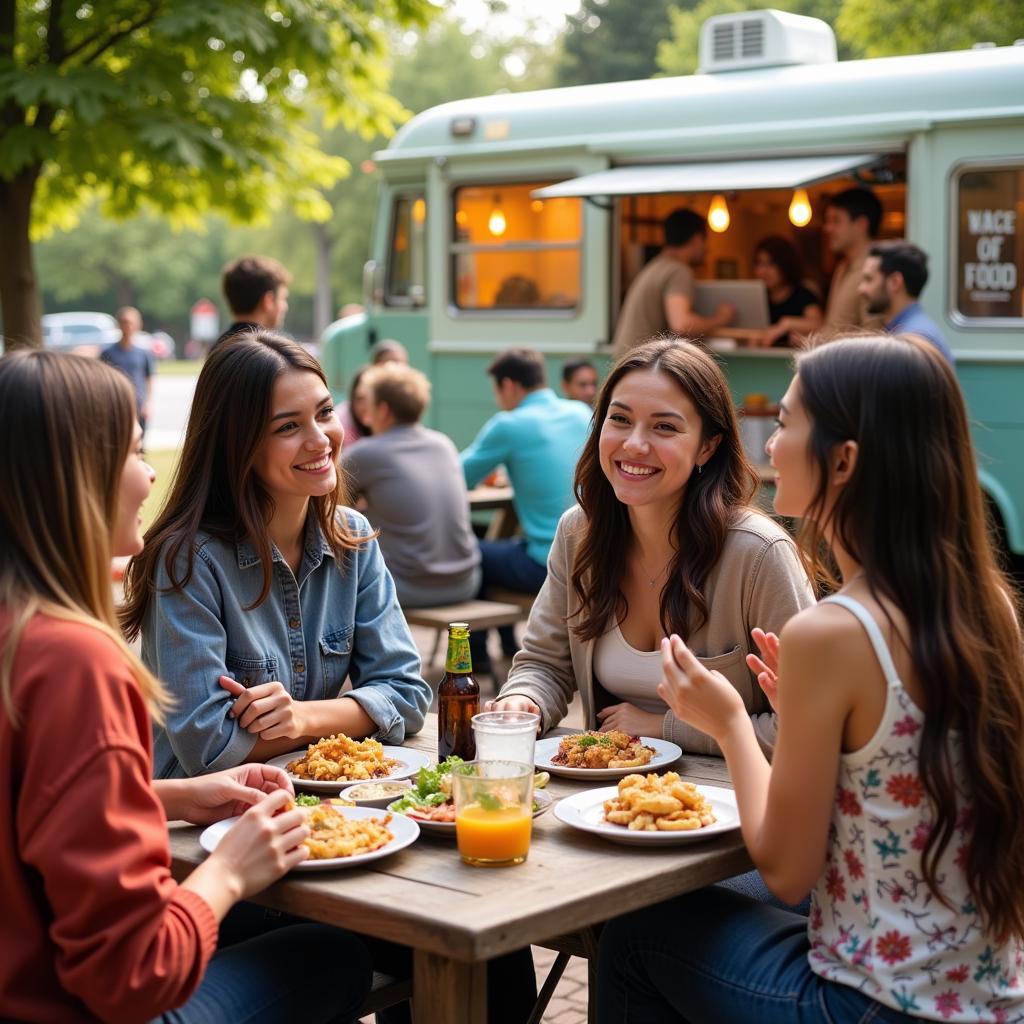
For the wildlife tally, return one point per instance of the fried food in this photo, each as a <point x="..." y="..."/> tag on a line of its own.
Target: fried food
<point x="614" y="749"/>
<point x="341" y="759"/>
<point x="333" y="835"/>
<point x="658" y="803"/>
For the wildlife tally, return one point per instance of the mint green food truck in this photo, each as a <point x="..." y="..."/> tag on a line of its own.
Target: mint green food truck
<point x="521" y="219"/>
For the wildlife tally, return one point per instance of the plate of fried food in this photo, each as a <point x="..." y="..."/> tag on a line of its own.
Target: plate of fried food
<point x="645" y="810"/>
<point x="602" y="755"/>
<point x="339" y="836"/>
<point x="331" y="762"/>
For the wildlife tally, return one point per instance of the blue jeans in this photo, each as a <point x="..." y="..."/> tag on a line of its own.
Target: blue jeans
<point x="715" y="957"/>
<point x="505" y="564"/>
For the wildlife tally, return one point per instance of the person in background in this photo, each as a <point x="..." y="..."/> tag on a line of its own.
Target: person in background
<point x="537" y="436"/>
<point x="579" y="380"/>
<point x="660" y="298"/>
<point x="352" y="412"/>
<point x="94" y="925"/>
<point x="793" y="308"/>
<point x="415" y="492"/>
<point x="895" y="786"/>
<point x="895" y="273"/>
<point x="258" y="594"/>
<point x="388" y="350"/>
<point x="256" y="290"/>
<point x="852" y="220"/>
<point x="135" y="363"/>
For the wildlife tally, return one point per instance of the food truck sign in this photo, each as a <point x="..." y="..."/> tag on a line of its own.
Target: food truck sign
<point x="991" y="250"/>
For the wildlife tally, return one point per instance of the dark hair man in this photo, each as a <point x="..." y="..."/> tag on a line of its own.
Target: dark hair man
<point x="660" y="298"/>
<point x="579" y="380"/>
<point x="537" y="436"/>
<point x="895" y="273"/>
<point x="852" y="219"/>
<point x="256" y="290"/>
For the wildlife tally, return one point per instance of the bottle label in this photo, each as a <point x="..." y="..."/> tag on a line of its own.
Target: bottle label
<point x="458" y="659"/>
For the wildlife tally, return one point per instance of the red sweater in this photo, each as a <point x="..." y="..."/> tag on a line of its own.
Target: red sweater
<point x="92" y="924"/>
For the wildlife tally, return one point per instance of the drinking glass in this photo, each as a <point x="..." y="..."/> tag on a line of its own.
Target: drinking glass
<point x="493" y="811"/>
<point x="505" y="736"/>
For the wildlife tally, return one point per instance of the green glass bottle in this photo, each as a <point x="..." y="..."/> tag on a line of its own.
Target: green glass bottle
<point x="458" y="698"/>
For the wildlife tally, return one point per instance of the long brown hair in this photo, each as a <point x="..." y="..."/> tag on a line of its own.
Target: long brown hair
<point x="214" y="487"/>
<point x="709" y="505"/>
<point x="66" y="426"/>
<point x="913" y="515"/>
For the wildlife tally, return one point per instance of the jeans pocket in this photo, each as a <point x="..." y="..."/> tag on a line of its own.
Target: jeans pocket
<point x="250" y="670"/>
<point x="335" y="655"/>
<point x="841" y="1004"/>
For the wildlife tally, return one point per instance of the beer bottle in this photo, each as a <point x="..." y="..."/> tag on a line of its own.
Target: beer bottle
<point x="458" y="698"/>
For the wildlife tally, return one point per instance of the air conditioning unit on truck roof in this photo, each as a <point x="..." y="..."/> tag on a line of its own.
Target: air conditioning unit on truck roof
<point x="762" y="39"/>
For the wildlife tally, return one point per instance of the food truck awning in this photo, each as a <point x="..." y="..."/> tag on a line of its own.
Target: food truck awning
<point x="727" y="176"/>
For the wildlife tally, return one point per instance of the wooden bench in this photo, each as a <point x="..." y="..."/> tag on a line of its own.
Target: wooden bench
<point x="479" y="615"/>
<point x="385" y="992"/>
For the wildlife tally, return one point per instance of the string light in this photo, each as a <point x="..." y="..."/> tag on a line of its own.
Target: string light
<point x="718" y="214"/>
<point x="800" y="208"/>
<point x="497" y="223"/>
<point x="419" y="210"/>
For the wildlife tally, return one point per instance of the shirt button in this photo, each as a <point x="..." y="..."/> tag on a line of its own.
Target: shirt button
<point x="299" y="666"/>
<point x="293" y="622"/>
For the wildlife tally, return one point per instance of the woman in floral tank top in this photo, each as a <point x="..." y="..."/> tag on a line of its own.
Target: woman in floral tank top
<point x="894" y="790"/>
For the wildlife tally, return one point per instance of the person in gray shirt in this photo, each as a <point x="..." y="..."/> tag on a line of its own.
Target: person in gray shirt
<point x="414" y="490"/>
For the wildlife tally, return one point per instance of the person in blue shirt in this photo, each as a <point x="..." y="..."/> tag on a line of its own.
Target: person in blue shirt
<point x="894" y="275"/>
<point x="538" y="437"/>
<point x="134" y="362"/>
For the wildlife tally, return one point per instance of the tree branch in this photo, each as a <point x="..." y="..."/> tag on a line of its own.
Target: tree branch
<point x="133" y="26"/>
<point x="54" y="34"/>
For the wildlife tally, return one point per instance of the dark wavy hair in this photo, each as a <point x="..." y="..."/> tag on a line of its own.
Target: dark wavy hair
<point x="913" y="515"/>
<point x="214" y="487"/>
<point x="709" y="503"/>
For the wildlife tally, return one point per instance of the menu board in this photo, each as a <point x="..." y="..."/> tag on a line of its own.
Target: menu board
<point x="990" y="252"/>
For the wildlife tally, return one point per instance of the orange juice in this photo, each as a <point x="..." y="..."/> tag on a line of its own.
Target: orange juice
<point x="500" y="836"/>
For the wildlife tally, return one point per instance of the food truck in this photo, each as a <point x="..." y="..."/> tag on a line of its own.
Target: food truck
<point x="522" y="218"/>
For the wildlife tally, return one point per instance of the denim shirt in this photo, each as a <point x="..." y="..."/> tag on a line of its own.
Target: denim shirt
<point x="332" y="623"/>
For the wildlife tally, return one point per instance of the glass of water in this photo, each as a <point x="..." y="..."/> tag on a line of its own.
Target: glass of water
<point x="505" y="736"/>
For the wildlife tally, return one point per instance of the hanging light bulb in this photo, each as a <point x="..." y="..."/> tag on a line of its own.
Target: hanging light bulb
<point x="537" y="205"/>
<point x="800" y="208"/>
<point x="497" y="223"/>
<point x="718" y="214"/>
<point x="419" y="210"/>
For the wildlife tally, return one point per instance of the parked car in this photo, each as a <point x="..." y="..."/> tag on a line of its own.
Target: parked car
<point x="88" y="333"/>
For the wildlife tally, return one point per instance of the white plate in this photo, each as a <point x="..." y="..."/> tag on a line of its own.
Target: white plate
<point x="585" y="811"/>
<point x="405" y="831"/>
<point x="411" y="761"/>
<point x="348" y="792"/>
<point x="665" y="753"/>
<point x="545" y="801"/>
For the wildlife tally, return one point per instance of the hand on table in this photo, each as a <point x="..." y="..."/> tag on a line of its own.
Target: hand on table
<point x="766" y="668"/>
<point x="631" y="720"/>
<point x="515" y="703"/>
<point x="209" y="798"/>
<point x="267" y="709"/>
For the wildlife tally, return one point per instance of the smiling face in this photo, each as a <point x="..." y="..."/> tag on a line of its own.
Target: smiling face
<point x="796" y="475"/>
<point x="136" y="482"/>
<point x="651" y="440"/>
<point x="298" y="456"/>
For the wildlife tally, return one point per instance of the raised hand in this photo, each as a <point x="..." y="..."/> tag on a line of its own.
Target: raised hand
<point x="766" y="668"/>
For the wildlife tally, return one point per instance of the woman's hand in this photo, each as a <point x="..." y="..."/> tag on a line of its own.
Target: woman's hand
<point x="766" y="668"/>
<point x="631" y="720"/>
<point x="265" y="842"/>
<point x="209" y="798"/>
<point x="267" y="709"/>
<point x="516" y="702"/>
<point x="705" y="699"/>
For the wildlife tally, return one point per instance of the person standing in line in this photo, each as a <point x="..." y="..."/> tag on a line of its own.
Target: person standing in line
<point x="537" y="436"/>
<point x="256" y="291"/>
<point x="660" y="299"/>
<point x="579" y="380"/>
<point x="852" y="219"/>
<point x="894" y="275"/>
<point x="135" y="363"/>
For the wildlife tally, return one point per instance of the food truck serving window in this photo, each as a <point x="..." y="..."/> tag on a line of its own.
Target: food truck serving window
<point x="513" y="252"/>
<point x="990" y="244"/>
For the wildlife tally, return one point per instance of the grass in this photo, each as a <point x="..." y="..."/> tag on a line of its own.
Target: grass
<point x="163" y="463"/>
<point x="179" y="367"/>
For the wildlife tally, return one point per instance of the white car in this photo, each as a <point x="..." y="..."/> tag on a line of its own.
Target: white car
<point x="91" y="333"/>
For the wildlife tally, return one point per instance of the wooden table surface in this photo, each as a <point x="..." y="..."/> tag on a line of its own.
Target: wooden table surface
<point x="456" y="917"/>
<point x="505" y="522"/>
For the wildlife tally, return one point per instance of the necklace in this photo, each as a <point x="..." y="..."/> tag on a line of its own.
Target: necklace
<point x="651" y="580"/>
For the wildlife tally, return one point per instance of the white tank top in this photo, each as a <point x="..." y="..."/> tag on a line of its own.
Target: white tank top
<point x="874" y="924"/>
<point x="628" y="674"/>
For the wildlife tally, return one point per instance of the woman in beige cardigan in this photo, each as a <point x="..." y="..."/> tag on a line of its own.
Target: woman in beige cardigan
<point x="664" y="540"/>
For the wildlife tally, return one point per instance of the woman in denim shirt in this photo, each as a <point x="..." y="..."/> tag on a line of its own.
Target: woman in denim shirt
<point x="257" y="594"/>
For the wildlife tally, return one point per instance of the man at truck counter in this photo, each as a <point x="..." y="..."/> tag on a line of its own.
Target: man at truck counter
<point x="895" y="273"/>
<point x="660" y="299"/>
<point x="851" y="222"/>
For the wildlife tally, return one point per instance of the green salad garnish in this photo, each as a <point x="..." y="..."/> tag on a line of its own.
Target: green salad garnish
<point x="587" y="741"/>
<point x="307" y="800"/>
<point x="432" y="787"/>
<point x="489" y="802"/>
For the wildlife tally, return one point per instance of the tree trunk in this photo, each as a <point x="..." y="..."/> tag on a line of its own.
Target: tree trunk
<point x="322" y="311"/>
<point x="20" y="301"/>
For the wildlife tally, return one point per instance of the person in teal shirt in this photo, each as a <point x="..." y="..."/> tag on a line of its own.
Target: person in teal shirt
<point x="538" y="438"/>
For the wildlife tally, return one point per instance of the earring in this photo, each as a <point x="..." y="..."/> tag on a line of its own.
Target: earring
<point x="700" y="469"/>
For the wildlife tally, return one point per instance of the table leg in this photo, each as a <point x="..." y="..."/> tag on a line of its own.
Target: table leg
<point x="446" y="991"/>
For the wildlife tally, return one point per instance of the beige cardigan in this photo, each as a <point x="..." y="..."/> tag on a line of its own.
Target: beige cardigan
<point x="758" y="581"/>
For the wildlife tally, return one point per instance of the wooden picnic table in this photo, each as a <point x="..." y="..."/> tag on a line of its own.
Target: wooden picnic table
<point x="504" y="523"/>
<point x="456" y="917"/>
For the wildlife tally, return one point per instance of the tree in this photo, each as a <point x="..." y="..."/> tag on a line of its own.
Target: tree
<point x="181" y="106"/>
<point x="612" y="41"/>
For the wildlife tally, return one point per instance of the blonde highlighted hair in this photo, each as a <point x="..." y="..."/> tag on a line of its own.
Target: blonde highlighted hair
<point x="66" y="428"/>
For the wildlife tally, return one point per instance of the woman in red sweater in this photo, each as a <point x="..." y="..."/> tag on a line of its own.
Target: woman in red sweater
<point x="94" y="926"/>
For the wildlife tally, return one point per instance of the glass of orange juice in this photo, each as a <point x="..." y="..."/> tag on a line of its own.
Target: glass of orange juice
<point x="493" y="811"/>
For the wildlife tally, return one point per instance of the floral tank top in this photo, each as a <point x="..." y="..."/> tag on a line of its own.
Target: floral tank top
<point x="874" y="925"/>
